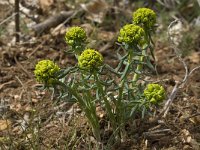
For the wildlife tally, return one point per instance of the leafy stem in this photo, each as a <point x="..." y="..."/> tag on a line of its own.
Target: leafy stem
<point x="102" y="95"/>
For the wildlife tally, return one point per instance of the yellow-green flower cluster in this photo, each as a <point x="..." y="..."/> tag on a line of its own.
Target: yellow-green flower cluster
<point x="144" y="17"/>
<point x="90" y="60"/>
<point x="75" y="36"/>
<point x="131" y="34"/>
<point x="45" y="71"/>
<point x="155" y="93"/>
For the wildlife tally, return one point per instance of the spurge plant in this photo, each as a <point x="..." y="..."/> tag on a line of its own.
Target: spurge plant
<point x="118" y="91"/>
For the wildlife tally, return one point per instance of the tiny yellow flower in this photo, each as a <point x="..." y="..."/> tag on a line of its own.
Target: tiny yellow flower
<point x="75" y="36"/>
<point x="90" y="60"/>
<point x="145" y="17"/>
<point x="45" y="71"/>
<point x="131" y="34"/>
<point x="155" y="93"/>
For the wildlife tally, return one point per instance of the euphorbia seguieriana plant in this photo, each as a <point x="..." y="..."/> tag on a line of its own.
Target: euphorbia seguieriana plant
<point x="116" y="90"/>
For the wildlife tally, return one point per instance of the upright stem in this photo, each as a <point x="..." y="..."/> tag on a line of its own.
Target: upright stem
<point x="138" y="69"/>
<point x="107" y="104"/>
<point x="120" y="111"/>
<point x="141" y="60"/>
<point x="130" y="56"/>
<point x="89" y="111"/>
<point x="17" y="21"/>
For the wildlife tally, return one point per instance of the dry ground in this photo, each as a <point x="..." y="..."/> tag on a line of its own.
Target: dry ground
<point x="29" y="116"/>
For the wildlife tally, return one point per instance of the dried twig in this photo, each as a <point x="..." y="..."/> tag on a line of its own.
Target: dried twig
<point x="36" y="49"/>
<point x="19" y="65"/>
<point x="69" y="18"/>
<point x="17" y="21"/>
<point x="194" y="69"/>
<point x="9" y="83"/>
<point x="170" y="99"/>
<point x="52" y="22"/>
<point x="157" y="134"/>
<point x="23" y="86"/>
<point x="194" y="115"/>
<point x="176" y="87"/>
<point x="179" y="84"/>
<point x="10" y="17"/>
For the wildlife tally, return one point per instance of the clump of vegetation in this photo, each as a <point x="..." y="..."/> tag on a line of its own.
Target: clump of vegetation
<point x="117" y="90"/>
<point x="154" y="93"/>
<point x="76" y="38"/>
<point x="145" y="17"/>
<point x="45" y="71"/>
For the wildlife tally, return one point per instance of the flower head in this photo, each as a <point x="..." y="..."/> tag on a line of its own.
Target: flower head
<point x="75" y="36"/>
<point x="90" y="60"/>
<point x="144" y="17"/>
<point x="155" y="93"/>
<point x="131" y="34"/>
<point x="45" y="71"/>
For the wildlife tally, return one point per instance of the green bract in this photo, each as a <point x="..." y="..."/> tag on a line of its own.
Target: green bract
<point x="75" y="36"/>
<point x="131" y="34"/>
<point x="90" y="60"/>
<point x="144" y="17"/>
<point x="45" y="71"/>
<point x="155" y="93"/>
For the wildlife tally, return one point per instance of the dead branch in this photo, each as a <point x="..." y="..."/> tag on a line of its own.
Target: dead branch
<point x="194" y="69"/>
<point x="39" y="46"/>
<point x="170" y="99"/>
<point x="156" y="133"/>
<point x="8" y="84"/>
<point x="7" y="19"/>
<point x="52" y="22"/>
<point x="20" y="66"/>
<point x="179" y="84"/>
<point x="17" y="21"/>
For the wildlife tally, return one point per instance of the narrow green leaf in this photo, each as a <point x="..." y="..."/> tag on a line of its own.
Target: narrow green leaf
<point x="125" y="71"/>
<point x="148" y="63"/>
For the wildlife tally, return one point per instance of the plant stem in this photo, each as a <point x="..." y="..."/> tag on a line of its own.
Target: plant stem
<point x="89" y="111"/>
<point x="138" y="69"/>
<point x="107" y="104"/>
<point x="120" y="110"/>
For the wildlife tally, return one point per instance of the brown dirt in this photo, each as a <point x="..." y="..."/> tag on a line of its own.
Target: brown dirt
<point x="21" y="100"/>
<point x="20" y="96"/>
